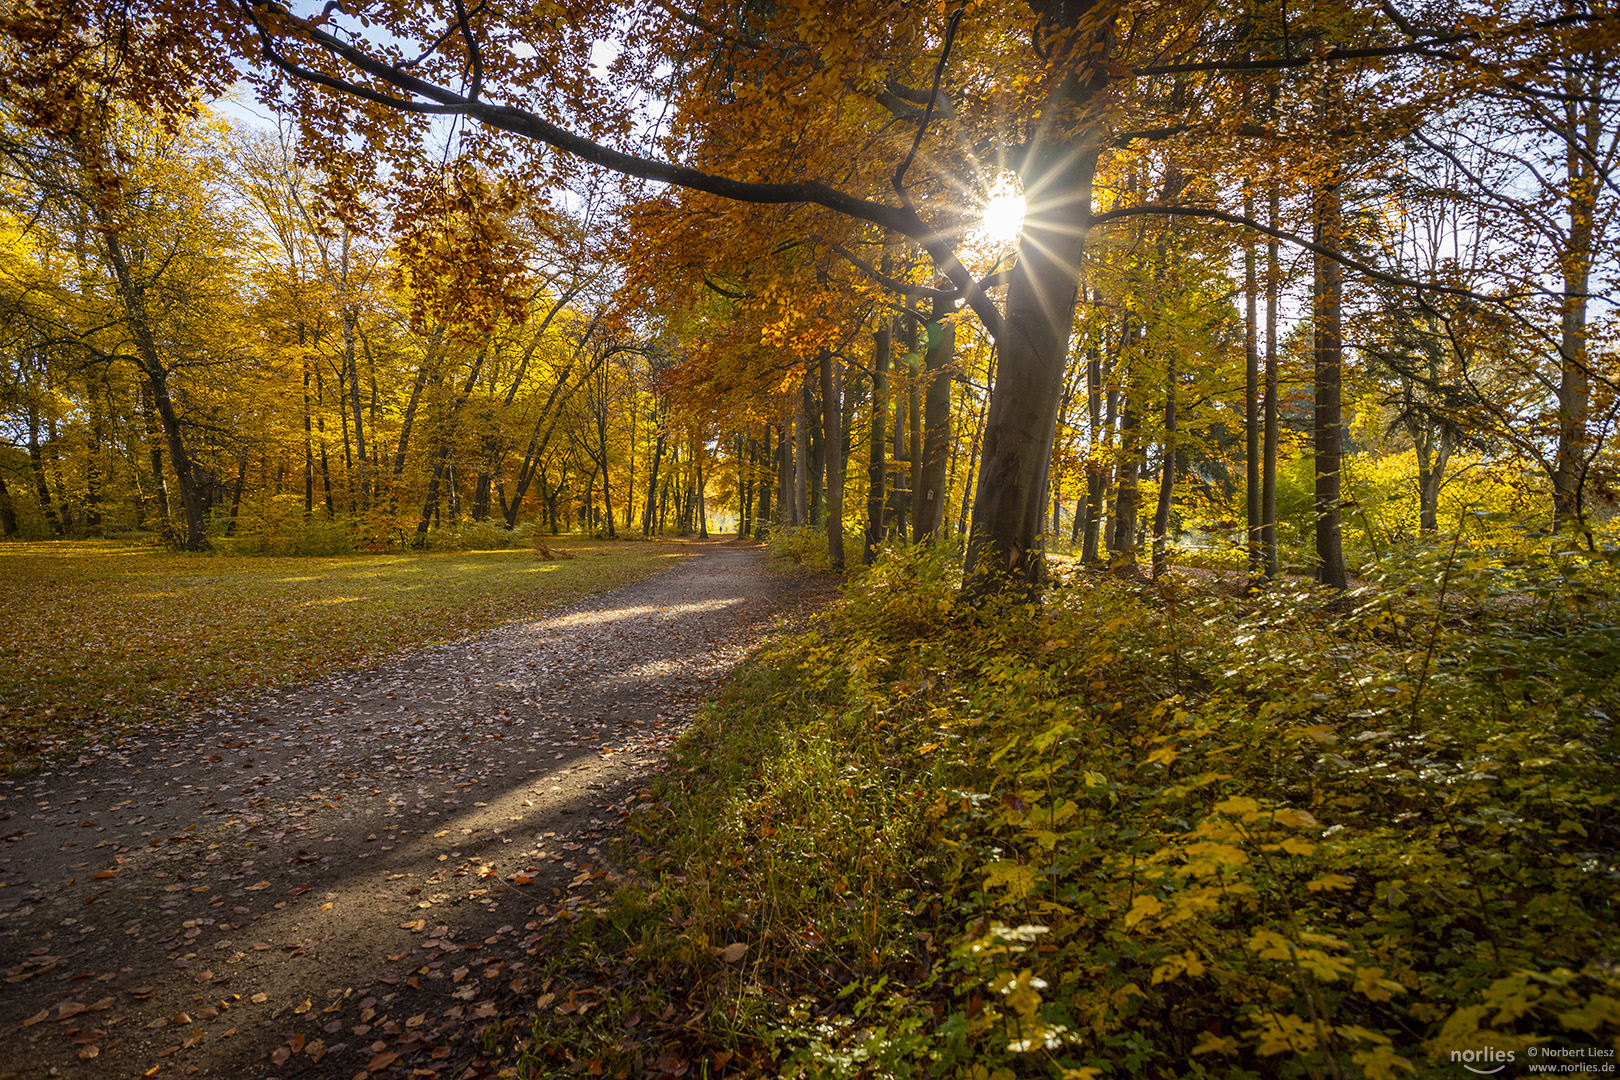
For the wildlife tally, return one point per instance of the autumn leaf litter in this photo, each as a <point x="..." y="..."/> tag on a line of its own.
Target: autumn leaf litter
<point x="351" y="878"/>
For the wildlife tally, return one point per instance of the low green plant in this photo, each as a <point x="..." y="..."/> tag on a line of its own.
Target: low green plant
<point x="1156" y="831"/>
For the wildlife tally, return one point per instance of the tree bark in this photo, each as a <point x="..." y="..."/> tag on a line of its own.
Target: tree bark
<point x="934" y="446"/>
<point x="1581" y="133"/>
<point x="765" y="480"/>
<point x="1268" y="465"/>
<point x="801" y="450"/>
<point x="877" y="466"/>
<point x="1096" y="471"/>
<point x="1251" y="405"/>
<point x="1167" y="473"/>
<point x="1328" y="420"/>
<point x="8" y="511"/>
<point x="831" y="441"/>
<point x="36" y="462"/>
<point x="1004" y="548"/>
<point x="133" y="295"/>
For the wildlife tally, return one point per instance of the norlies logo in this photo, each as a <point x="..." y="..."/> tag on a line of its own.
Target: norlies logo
<point x="1486" y="1062"/>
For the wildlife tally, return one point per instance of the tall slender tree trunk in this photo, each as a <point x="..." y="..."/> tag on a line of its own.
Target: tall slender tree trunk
<point x="309" y="436"/>
<point x="934" y="447"/>
<point x="973" y="463"/>
<point x="877" y="466"/>
<point x="94" y="476"/>
<point x="1096" y="472"/>
<point x="1127" y="498"/>
<point x="236" y="495"/>
<point x="832" y="440"/>
<point x="801" y="451"/>
<point x="647" y="516"/>
<point x="784" y="471"/>
<point x="36" y="463"/>
<point x="764" y="480"/>
<point x="817" y="446"/>
<point x="1328" y="420"/>
<point x="914" y="431"/>
<point x="8" y="511"/>
<point x="132" y="293"/>
<point x="1582" y="135"/>
<point x="1167" y="473"/>
<point x="1253" y="538"/>
<point x="701" y="491"/>
<point x="1268" y="463"/>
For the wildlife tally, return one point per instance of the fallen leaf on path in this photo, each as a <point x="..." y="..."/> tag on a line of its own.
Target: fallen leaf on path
<point x="259" y="999"/>
<point x="382" y="1061"/>
<point x="91" y="1051"/>
<point x="69" y="1009"/>
<point x="37" y="1018"/>
<point x="733" y="952"/>
<point x="255" y="888"/>
<point x="300" y="1010"/>
<point x="280" y="1054"/>
<point x="414" y="926"/>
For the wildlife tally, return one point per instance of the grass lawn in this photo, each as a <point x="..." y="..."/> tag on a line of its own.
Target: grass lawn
<point x="100" y="637"/>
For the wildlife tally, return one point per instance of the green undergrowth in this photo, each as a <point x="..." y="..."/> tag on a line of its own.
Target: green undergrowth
<point x="1133" y="832"/>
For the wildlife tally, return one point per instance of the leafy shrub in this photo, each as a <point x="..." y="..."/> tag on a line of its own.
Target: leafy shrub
<point x="807" y="547"/>
<point x="277" y="525"/>
<point x="1155" y="833"/>
<point x="489" y="535"/>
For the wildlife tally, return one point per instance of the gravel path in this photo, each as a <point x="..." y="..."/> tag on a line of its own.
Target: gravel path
<point x="349" y="878"/>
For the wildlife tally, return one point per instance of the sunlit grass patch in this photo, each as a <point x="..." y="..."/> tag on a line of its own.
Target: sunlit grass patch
<point x="100" y="636"/>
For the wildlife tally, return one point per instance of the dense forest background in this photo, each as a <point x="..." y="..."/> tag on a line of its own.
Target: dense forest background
<point x="210" y="339"/>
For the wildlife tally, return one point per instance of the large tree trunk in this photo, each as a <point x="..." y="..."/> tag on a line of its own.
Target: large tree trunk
<point x="877" y="466"/>
<point x="831" y="441"/>
<point x="1327" y="428"/>
<point x="1004" y="547"/>
<point x="936" y="440"/>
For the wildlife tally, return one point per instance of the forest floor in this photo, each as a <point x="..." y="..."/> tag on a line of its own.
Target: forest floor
<point x="353" y="876"/>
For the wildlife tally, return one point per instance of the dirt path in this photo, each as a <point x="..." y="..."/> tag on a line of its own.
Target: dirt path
<point x="351" y="875"/>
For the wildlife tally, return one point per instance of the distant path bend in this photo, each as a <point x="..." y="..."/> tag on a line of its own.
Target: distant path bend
<point x="345" y="876"/>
